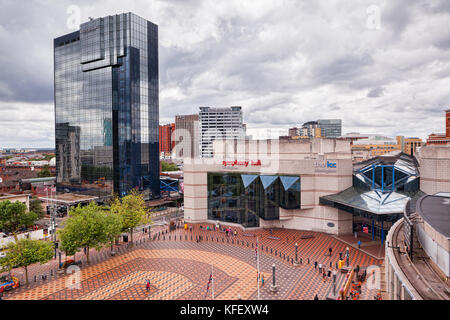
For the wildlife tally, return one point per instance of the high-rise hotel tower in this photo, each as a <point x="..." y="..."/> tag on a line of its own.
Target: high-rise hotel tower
<point x="107" y="107"/>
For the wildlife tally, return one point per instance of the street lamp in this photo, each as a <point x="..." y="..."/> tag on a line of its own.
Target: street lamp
<point x="273" y="287"/>
<point x="334" y="282"/>
<point x="347" y="255"/>
<point x="296" y="253"/>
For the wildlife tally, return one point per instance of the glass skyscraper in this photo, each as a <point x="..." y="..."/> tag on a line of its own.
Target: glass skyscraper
<point x="107" y="107"/>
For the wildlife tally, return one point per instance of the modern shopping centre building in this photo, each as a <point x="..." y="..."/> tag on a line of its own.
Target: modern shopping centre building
<point x="306" y="184"/>
<point x="270" y="183"/>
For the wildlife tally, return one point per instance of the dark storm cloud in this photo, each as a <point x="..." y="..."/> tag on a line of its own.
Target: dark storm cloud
<point x="375" y="92"/>
<point x="284" y="61"/>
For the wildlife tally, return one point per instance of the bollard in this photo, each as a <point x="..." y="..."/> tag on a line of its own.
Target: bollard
<point x="34" y="278"/>
<point x="273" y="287"/>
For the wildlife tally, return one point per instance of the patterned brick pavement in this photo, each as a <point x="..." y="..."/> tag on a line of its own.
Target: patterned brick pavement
<point x="179" y="268"/>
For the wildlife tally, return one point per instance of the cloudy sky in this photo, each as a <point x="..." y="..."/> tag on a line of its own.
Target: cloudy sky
<point x="381" y="66"/>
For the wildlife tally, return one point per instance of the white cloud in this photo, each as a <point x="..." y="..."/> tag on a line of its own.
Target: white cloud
<point x="285" y="62"/>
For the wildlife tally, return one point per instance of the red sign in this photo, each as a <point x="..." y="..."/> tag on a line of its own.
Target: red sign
<point x="234" y="163"/>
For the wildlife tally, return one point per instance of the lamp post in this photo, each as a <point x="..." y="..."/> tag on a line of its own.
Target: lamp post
<point x="334" y="282"/>
<point x="296" y="253"/>
<point x="273" y="287"/>
<point x="347" y="255"/>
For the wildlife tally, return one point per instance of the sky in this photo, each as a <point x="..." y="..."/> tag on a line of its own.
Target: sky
<point x="382" y="66"/>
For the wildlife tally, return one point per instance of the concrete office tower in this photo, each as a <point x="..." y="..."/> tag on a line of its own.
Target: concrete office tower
<point x="219" y="123"/>
<point x="107" y="107"/>
<point x="187" y="137"/>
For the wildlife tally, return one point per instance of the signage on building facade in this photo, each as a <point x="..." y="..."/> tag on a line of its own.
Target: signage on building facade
<point x="325" y="166"/>
<point x="256" y="163"/>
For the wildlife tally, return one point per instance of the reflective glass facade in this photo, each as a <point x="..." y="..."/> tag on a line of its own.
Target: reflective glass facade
<point x="107" y="107"/>
<point x="244" y="198"/>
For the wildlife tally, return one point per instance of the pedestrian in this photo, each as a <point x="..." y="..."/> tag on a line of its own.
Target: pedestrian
<point x="330" y="250"/>
<point x="262" y="281"/>
<point x="329" y="273"/>
<point x="148" y="285"/>
<point x="331" y="264"/>
<point x="316" y="297"/>
<point x="359" y="244"/>
<point x="320" y="268"/>
<point x="315" y="264"/>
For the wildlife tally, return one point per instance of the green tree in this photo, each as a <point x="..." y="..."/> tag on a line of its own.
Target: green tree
<point x="45" y="172"/>
<point x="132" y="211"/>
<point x="14" y="216"/>
<point x="36" y="207"/>
<point x="87" y="227"/>
<point x="25" y="252"/>
<point x="165" y="166"/>
<point x="113" y="227"/>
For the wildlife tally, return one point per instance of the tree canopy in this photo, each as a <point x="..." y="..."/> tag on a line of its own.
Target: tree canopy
<point x="88" y="227"/>
<point x="36" y="207"/>
<point x="132" y="211"/>
<point x="14" y="216"/>
<point x="25" y="252"/>
<point x="165" y="166"/>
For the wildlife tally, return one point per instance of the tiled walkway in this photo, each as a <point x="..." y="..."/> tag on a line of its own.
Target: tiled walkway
<point x="179" y="268"/>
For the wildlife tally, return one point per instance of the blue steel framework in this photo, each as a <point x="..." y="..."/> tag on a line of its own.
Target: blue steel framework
<point x="107" y="107"/>
<point x="384" y="182"/>
<point x="384" y="187"/>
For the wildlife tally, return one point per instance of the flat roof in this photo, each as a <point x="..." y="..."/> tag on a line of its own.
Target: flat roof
<point x="70" y="198"/>
<point x="435" y="210"/>
<point x="6" y="196"/>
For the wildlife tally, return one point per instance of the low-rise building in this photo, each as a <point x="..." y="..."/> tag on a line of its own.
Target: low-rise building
<point x="270" y="184"/>
<point x="441" y="138"/>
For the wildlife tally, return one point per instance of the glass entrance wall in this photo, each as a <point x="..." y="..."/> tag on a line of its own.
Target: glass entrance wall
<point x="244" y="198"/>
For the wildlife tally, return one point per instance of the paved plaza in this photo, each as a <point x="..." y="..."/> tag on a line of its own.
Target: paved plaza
<point x="178" y="268"/>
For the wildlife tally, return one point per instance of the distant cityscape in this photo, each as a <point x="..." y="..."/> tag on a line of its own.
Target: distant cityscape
<point x="343" y="207"/>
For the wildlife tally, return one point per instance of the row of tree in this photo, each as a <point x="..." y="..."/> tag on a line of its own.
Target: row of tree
<point x="87" y="227"/>
<point x="95" y="226"/>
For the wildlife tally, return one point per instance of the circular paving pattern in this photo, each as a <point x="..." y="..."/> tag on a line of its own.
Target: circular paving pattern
<point x="179" y="269"/>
